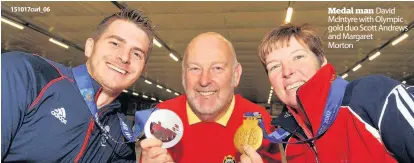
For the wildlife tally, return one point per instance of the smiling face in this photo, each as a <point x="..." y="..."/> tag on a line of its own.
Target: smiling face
<point x="117" y="58"/>
<point x="289" y="67"/>
<point x="210" y="75"/>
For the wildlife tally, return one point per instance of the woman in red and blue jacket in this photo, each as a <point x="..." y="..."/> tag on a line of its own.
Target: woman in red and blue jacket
<point x="330" y="120"/>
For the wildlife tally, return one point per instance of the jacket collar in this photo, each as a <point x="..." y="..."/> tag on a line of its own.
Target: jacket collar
<point x="97" y="89"/>
<point x="312" y="97"/>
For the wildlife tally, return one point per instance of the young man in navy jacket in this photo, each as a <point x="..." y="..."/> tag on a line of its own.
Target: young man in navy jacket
<point x="46" y="107"/>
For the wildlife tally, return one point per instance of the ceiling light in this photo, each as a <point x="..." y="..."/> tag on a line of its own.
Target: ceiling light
<point x="125" y="91"/>
<point x="135" y="94"/>
<point x="173" y="57"/>
<point x="176" y="94"/>
<point x="357" y="67"/>
<point x="160" y="100"/>
<point x="404" y="82"/>
<point x="59" y="43"/>
<point x="158" y="86"/>
<point x="145" y="96"/>
<point x="148" y="82"/>
<point x="289" y="14"/>
<point x="12" y="23"/>
<point x="344" y="76"/>
<point x="396" y="41"/>
<point x="168" y="90"/>
<point x="155" y="41"/>
<point x="372" y="57"/>
<point x="154" y="99"/>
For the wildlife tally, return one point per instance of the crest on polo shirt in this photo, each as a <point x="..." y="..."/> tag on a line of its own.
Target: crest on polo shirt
<point x="229" y="159"/>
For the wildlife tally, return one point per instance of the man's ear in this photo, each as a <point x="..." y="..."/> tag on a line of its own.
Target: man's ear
<point x="237" y="74"/>
<point x="144" y="68"/>
<point x="90" y="43"/>
<point x="324" y="61"/>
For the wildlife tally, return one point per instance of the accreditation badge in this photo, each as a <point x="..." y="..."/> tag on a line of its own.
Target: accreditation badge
<point x="248" y="133"/>
<point x="166" y="126"/>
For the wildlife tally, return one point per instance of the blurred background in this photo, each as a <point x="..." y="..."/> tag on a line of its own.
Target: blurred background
<point x="58" y="31"/>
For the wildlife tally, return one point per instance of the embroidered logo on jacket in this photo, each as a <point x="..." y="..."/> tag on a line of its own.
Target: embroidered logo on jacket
<point x="103" y="138"/>
<point x="60" y="114"/>
<point x="287" y="114"/>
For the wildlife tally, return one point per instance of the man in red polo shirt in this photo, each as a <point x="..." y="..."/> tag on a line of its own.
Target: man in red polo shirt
<point x="210" y="111"/>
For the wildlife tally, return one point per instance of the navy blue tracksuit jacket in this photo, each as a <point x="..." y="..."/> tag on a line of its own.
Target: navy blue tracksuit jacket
<point x="45" y="119"/>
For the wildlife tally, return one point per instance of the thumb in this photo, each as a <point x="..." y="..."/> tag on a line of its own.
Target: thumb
<point x="252" y="154"/>
<point x="149" y="143"/>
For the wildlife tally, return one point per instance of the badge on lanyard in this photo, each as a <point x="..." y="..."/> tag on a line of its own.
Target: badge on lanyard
<point x="249" y="133"/>
<point x="166" y="126"/>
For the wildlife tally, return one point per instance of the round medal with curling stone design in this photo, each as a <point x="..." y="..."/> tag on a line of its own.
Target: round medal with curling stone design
<point x="166" y="126"/>
<point x="249" y="133"/>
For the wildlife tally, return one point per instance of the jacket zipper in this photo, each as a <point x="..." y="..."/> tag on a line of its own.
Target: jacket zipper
<point x="310" y="144"/>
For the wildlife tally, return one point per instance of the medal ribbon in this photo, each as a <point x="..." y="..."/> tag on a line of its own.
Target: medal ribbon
<point x="333" y="104"/>
<point x="84" y="83"/>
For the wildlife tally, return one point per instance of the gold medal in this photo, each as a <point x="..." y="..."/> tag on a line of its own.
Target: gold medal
<point x="249" y="133"/>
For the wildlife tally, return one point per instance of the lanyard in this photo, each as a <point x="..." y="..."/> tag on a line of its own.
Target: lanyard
<point x="84" y="83"/>
<point x="333" y="104"/>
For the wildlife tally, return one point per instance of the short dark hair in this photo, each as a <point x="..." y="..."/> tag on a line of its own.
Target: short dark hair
<point x="136" y="16"/>
<point x="280" y="37"/>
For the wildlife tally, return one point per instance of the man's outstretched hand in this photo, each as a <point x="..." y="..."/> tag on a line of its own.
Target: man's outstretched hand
<point x="152" y="151"/>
